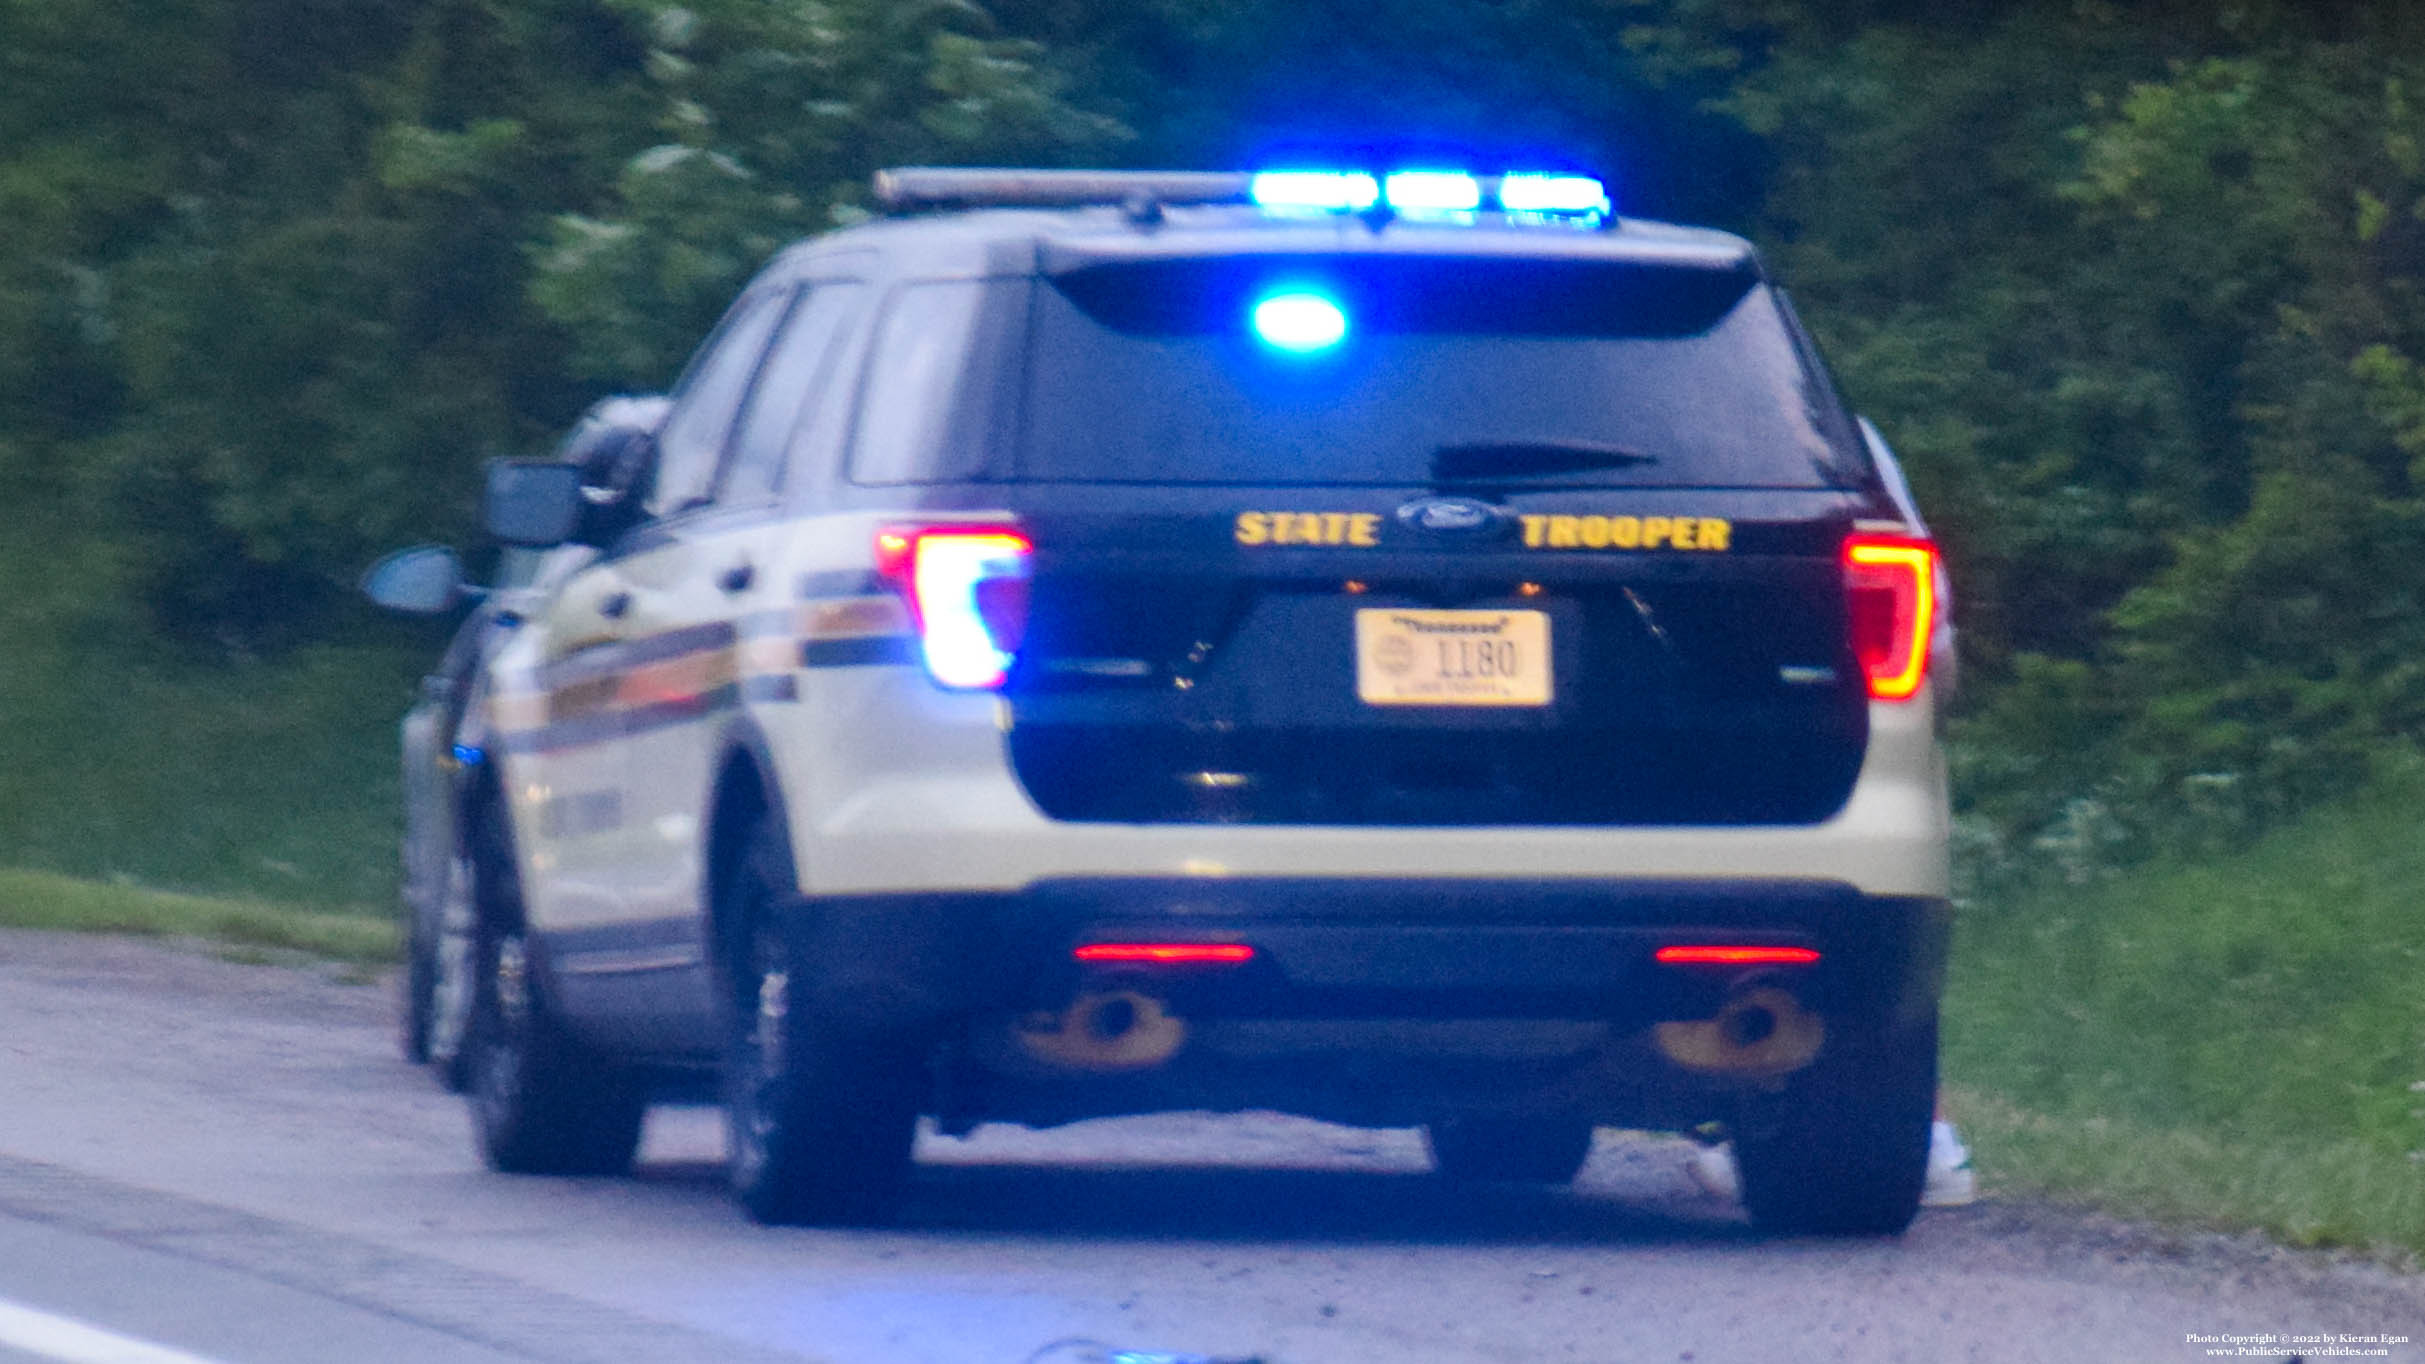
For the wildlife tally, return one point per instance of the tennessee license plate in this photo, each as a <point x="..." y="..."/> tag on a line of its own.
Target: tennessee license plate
<point x="1452" y="658"/>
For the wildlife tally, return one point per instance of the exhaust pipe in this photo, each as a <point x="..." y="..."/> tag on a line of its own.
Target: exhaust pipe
<point x="1105" y="1030"/>
<point x="1761" y="1032"/>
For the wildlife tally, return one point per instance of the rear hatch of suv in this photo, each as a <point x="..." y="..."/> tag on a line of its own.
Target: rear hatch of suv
<point x="1359" y="538"/>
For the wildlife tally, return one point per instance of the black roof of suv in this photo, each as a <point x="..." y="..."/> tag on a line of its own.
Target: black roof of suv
<point x="1694" y="371"/>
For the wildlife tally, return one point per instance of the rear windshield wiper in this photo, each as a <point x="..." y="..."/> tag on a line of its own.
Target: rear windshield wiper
<point x="1482" y="461"/>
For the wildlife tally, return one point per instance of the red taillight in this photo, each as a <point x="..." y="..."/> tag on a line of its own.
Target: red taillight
<point x="1719" y="955"/>
<point x="1166" y="953"/>
<point x="967" y="592"/>
<point x="1890" y="583"/>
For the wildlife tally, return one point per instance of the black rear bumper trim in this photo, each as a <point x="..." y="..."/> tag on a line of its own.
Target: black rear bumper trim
<point x="1374" y="947"/>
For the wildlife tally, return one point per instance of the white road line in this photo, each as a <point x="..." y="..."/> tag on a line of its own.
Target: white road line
<point x="70" y="1341"/>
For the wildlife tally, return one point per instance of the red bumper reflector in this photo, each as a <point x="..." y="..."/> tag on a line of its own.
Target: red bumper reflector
<point x="1168" y="953"/>
<point x="1737" y="956"/>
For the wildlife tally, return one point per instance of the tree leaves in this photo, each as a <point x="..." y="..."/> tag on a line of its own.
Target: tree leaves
<point x="281" y="275"/>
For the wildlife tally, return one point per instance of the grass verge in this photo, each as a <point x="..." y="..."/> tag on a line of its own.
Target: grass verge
<point x="125" y="757"/>
<point x="2236" y="1042"/>
<point x="40" y="899"/>
<point x="2324" y="1193"/>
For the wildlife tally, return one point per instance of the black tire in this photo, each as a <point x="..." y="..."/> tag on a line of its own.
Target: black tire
<point x="1844" y="1150"/>
<point x="1532" y="1150"/>
<point x="454" y="963"/>
<point x="541" y="1103"/>
<point x="416" y="988"/>
<point x="820" y="1118"/>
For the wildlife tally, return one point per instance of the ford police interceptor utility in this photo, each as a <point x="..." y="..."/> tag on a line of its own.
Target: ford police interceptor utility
<point x="1408" y="648"/>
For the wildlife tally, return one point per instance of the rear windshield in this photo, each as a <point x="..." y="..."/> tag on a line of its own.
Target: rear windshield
<point x="1471" y="372"/>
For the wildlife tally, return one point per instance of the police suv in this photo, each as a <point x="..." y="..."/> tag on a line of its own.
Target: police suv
<point x="1408" y="649"/>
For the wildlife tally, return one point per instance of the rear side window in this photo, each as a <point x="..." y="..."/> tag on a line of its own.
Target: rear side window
<point x="927" y="409"/>
<point x="1470" y="372"/>
<point x="797" y="375"/>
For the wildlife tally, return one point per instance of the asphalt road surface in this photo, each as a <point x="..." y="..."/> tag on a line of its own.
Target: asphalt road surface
<point x="203" y="1162"/>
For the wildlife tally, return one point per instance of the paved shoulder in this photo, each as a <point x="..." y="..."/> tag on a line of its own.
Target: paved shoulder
<point x="158" y="1267"/>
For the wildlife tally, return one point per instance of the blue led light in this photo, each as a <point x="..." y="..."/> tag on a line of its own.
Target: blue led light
<point x="469" y="755"/>
<point x="1435" y="194"/>
<point x="1553" y="194"/>
<point x="1316" y="191"/>
<point x="1416" y="193"/>
<point x="1300" y="322"/>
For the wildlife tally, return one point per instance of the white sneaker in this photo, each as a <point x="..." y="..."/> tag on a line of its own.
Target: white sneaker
<point x="1713" y="1168"/>
<point x="1951" y="1182"/>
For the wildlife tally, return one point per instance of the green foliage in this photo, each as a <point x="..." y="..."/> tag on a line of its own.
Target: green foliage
<point x="2231" y="1036"/>
<point x="2136" y="293"/>
<point x="636" y="291"/>
<point x="773" y="118"/>
<point x="290" y="271"/>
<point x="124" y="759"/>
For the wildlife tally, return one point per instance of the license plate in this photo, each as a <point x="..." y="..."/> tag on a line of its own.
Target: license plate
<point x="1452" y="658"/>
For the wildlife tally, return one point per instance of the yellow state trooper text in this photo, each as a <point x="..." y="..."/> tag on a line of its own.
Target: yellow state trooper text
<point x="1628" y="532"/>
<point x="1308" y="528"/>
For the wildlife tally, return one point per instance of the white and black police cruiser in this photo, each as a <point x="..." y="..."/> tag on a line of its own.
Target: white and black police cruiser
<point x="1404" y="648"/>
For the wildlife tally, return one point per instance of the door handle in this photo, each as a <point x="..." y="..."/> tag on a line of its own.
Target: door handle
<point x="737" y="578"/>
<point x="614" y="604"/>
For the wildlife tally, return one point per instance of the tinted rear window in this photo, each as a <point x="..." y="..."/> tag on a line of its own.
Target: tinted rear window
<point x="1152" y="373"/>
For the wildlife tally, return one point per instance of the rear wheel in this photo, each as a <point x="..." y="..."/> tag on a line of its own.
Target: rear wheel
<point x="541" y="1102"/>
<point x="1844" y="1150"/>
<point x="453" y="988"/>
<point x="415" y="988"/>
<point x="1537" y="1150"/>
<point x="821" y="1117"/>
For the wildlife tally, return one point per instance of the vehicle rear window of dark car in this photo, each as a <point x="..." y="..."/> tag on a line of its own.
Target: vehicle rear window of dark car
<point x="1152" y="372"/>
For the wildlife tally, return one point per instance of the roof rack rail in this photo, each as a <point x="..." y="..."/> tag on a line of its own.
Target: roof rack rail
<point x="907" y="189"/>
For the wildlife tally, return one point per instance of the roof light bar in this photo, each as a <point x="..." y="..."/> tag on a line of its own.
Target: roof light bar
<point x="1314" y="191"/>
<point x="906" y="189"/>
<point x="1414" y="192"/>
<point x="1552" y="194"/>
<point x="1422" y="193"/>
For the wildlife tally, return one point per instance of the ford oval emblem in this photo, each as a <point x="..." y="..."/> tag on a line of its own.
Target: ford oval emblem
<point x="1459" y="516"/>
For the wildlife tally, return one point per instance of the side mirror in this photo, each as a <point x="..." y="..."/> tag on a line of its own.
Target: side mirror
<point x="535" y="503"/>
<point x="425" y="580"/>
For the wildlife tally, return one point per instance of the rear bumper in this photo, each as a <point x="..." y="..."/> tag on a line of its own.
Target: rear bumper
<point x="1376" y="948"/>
<point x="935" y="808"/>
